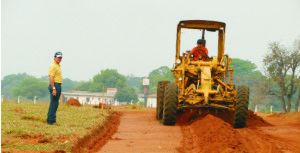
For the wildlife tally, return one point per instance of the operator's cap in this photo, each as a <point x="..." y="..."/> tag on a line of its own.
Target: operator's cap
<point x="58" y="54"/>
<point x="201" y="41"/>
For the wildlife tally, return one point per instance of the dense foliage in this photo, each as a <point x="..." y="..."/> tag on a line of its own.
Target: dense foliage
<point x="264" y="89"/>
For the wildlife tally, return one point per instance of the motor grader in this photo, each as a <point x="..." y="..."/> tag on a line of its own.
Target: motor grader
<point x="202" y="84"/>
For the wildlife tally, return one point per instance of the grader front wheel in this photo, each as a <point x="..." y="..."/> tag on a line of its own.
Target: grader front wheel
<point x="241" y="112"/>
<point x="170" y="105"/>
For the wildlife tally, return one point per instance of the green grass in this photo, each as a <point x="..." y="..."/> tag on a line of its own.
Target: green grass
<point x="24" y="126"/>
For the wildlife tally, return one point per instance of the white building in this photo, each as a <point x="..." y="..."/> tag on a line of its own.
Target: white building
<point x="151" y="101"/>
<point x="91" y="98"/>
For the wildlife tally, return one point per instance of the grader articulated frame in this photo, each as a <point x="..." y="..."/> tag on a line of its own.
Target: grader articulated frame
<point x="202" y="84"/>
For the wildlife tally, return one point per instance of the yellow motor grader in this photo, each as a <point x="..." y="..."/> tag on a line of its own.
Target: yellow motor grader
<point x="202" y="84"/>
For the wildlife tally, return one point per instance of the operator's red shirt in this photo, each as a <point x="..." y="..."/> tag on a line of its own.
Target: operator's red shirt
<point x="196" y="51"/>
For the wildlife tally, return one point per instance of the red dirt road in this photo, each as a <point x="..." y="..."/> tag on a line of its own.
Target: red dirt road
<point x="140" y="132"/>
<point x="285" y="131"/>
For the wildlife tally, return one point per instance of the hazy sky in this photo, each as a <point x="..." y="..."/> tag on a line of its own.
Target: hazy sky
<point x="132" y="36"/>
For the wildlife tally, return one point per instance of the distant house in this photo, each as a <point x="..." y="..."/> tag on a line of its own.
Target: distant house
<point x="91" y="98"/>
<point x="151" y="100"/>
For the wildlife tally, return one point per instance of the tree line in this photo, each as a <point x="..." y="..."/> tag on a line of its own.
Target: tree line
<point x="128" y="86"/>
<point x="277" y="86"/>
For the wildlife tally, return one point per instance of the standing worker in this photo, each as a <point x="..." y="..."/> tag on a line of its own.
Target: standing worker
<point x="55" y="81"/>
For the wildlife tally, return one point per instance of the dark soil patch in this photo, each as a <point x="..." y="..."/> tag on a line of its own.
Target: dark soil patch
<point x="34" y="138"/>
<point x="32" y="118"/>
<point x="73" y="102"/>
<point x="19" y="110"/>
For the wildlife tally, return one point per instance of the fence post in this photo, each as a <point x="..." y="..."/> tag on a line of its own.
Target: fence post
<point x="34" y="100"/>
<point x="19" y="99"/>
<point x="271" y="109"/>
<point x="256" y="109"/>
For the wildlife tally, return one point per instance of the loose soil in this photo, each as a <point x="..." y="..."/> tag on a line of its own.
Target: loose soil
<point x="205" y="132"/>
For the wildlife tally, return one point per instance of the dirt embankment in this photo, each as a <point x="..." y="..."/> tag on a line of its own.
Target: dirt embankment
<point x="207" y="132"/>
<point x="98" y="136"/>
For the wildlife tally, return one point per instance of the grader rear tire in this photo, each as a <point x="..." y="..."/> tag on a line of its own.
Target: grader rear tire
<point x="161" y="85"/>
<point x="170" y="105"/>
<point x="241" y="112"/>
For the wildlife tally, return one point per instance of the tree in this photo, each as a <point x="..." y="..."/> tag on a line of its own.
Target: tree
<point x="109" y="78"/>
<point x="30" y="87"/>
<point x="68" y="84"/>
<point x="11" y="81"/>
<point x="246" y="73"/>
<point x="84" y="85"/>
<point x="297" y="51"/>
<point x="135" y="82"/>
<point x="160" y="74"/>
<point x="281" y="66"/>
<point x="126" y="94"/>
<point x="294" y="64"/>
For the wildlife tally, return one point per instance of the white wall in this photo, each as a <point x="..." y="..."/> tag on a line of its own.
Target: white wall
<point x="91" y="100"/>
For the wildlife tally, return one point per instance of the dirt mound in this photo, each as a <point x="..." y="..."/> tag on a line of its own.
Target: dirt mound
<point x="212" y="132"/>
<point x="255" y="120"/>
<point x="189" y="116"/>
<point x="73" y="102"/>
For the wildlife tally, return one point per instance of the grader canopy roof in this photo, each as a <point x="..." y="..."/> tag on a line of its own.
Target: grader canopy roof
<point x="206" y="25"/>
<point x="202" y="24"/>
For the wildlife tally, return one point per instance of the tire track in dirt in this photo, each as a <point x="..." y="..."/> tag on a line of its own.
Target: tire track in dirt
<point x="139" y="131"/>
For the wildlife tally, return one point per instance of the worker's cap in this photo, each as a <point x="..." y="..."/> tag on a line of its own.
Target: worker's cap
<point x="58" y="54"/>
<point x="201" y="41"/>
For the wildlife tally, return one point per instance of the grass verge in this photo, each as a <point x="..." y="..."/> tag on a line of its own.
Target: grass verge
<point x="24" y="127"/>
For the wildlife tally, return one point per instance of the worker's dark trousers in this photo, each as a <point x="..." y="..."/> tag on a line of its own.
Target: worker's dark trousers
<point x="54" y="101"/>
